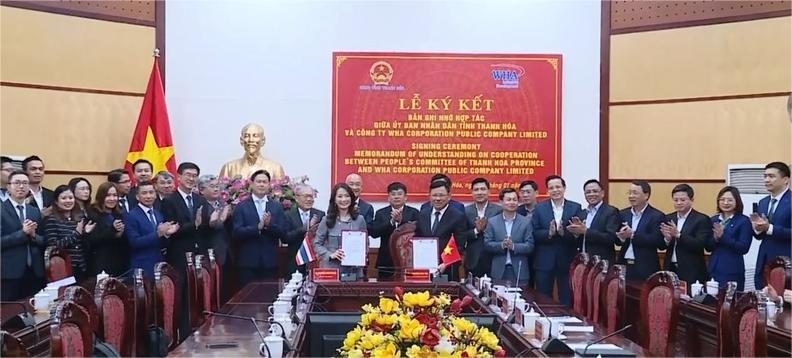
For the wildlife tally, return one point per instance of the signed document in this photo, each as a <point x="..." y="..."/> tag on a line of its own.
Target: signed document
<point x="355" y="246"/>
<point x="425" y="254"/>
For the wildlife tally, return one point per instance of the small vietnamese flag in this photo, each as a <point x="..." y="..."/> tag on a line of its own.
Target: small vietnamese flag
<point x="451" y="253"/>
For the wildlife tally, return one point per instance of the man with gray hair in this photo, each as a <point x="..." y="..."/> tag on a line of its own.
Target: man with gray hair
<point x="164" y="185"/>
<point x="302" y="218"/>
<point x="219" y="226"/>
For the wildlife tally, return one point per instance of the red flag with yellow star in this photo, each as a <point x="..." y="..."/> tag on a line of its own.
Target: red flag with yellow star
<point x="152" y="138"/>
<point x="451" y="253"/>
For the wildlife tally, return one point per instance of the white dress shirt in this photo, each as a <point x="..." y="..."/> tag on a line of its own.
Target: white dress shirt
<point x="636" y="219"/>
<point x="680" y="223"/>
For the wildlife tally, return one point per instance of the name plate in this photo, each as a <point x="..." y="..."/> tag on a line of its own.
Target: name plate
<point x="417" y="275"/>
<point x="325" y="275"/>
<point x="683" y="288"/>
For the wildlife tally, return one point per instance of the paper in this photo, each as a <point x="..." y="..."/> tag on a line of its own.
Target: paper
<point x="566" y="319"/>
<point x="425" y="253"/>
<point x="593" y="346"/>
<point x="578" y="328"/>
<point x="355" y="248"/>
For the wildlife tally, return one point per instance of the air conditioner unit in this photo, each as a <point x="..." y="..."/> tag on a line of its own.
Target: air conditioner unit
<point x="749" y="180"/>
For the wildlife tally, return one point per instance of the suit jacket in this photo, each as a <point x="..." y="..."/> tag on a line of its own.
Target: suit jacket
<point x="726" y="260"/>
<point x="132" y="197"/>
<point x="295" y="235"/>
<point x="601" y="236"/>
<point x="145" y="246"/>
<point x="521" y="235"/>
<point x="475" y="245"/>
<point x="453" y="222"/>
<point x="258" y="248"/>
<point x="646" y="240"/>
<point x="693" y="238"/>
<point x="106" y="251"/>
<point x="452" y="203"/>
<point x="15" y="243"/>
<point x="366" y="210"/>
<point x="48" y="196"/>
<point x="780" y="242"/>
<point x="383" y="229"/>
<point x="555" y="252"/>
<point x="188" y="238"/>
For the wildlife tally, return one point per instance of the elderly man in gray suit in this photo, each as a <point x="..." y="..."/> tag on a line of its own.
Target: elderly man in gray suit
<point x="476" y="260"/>
<point x="509" y="239"/>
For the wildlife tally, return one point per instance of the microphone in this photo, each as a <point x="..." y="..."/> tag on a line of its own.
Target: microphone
<point x="510" y="317"/>
<point x="606" y="352"/>
<point x="124" y="274"/>
<point x="553" y="344"/>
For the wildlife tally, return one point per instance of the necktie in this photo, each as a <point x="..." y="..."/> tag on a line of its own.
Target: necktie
<point x="152" y="218"/>
<point x="190" y="205"/>
<point x="772" y="209"/>
<point x="123" y="204"/>
<point x="21" y="211"/>
<point x="260" y="207"/>
<point x="304" y="217"/>
<point x="434" y="223"/>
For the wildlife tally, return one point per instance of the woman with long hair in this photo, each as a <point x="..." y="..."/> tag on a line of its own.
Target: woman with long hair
<point x="109" y="247"/>
<point x="731" y="239"/>
<point x="81" y="188"/>
<point x="342" y="214"/>
<point x="66" y="228"/>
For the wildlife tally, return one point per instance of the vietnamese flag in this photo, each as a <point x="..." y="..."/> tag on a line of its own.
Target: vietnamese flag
<point x="451" y="253"/>
<point x="152" y="138"/>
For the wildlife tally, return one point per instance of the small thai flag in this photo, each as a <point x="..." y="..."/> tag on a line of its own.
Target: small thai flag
<point x="306" y="253"/>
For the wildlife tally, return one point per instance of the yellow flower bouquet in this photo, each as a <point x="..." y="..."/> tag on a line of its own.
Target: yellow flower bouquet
<point x="418" y="324"/>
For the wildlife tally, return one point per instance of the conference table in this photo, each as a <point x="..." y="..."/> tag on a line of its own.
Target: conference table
<point x="223" y="336"/>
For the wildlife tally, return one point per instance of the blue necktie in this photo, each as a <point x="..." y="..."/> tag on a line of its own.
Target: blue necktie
<point x="772" y="209"/>
<point x="21" y="211"/>
<point x="190" y="205"/>
<point x="436" y="221"/>
<point x="152" y="218"/>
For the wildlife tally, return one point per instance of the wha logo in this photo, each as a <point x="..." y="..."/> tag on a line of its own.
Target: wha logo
<point x="507" y="75"/>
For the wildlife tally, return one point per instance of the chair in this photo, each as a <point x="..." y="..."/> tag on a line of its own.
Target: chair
<point x="778" y="273"/>
<point x="723" y="311"/>
<point x="70" y="331"/>
<point x="749" y="320"/>
<point x="660" y="312"/>
<point x="205" y="280"/>
<point x="84" y="299"/>
<point x="57" y="264"/>
<point x="142" y="312"/>
<point x="116" y="314"/>
<point x="166" y="301"/>
<point x="217" y="271"/>
<point x="577" y="270"/>
<point x="401" y="245"/>
<point x="586" y="286"/>
<point x="194" y="295"/>
<point x="12" y="346"/>
<point x="613" y="299"/>
<point x="594" y="289"/>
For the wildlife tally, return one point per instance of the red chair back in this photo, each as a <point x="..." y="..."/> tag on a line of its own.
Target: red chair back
<point x="778" y="274"/>
<point x="70" y="331"/>
<point x="577" y="271"/>
<point x="84" y="299"/>
<point x="660" y="313"/>
<point x="143" y="312"/>
<point x="724" y="310"/>
<point x="57" y="264"/>
<point x="749" y="319"/>
<point x="217" y="273"/>
<point x="167" y="305"/>
<point x="194" y="294"/>
<point x="400" y="245"/>
<point x="116" y="314"/>
<point x="205" y="281"/>
<point x="587" y="276"/>
<point x="613" y="299"/>
<point x="595" y="278"/>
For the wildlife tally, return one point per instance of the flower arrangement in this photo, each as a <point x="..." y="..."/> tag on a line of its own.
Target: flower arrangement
<point x="417" y="324"/>
<point x="234" y="190"/>
<point x="283" y="189"/>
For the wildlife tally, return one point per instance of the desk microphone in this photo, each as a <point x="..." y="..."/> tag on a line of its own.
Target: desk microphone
<point x="553" y="345"/>
<point x="263" y="347"/>
<point x="510" y="317"/>
<point x="610" y="352"/>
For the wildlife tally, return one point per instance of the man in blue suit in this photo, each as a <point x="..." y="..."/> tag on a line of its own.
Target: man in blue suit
<point x="22" y="248"/>
<point x="508" y="238"/>
<point x="771" y="222"/>
<point x="259" y="225"/>
<point x="147" y="232"/>
<point x="555" y="246"/>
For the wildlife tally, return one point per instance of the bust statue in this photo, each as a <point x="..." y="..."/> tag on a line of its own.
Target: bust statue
<point x="252" y="139"/>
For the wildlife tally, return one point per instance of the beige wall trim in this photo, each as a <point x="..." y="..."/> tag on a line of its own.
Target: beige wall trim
<point x="700" y="99"/>
<point x="713" y="21"/>
<point x="70" y="89"/>
<point x="64" y="8"/>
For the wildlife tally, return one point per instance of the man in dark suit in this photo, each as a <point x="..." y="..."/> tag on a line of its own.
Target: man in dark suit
<point x="142" y="170"/>
<point x="22" y="248"/>
<point x="301" y="219"/>
<point x="6" y="168"/>
<point x="555" y="247"/>
<point x="192" y="213"/>
<point x="454" y="204"/>
<point x="686" y="232"/>
<point x="126" y="199"/>
<point x="640" y="236"/>
<point x="386" y="220"/>
<point x="258" y="224"/>
<point x="771" y="222"/>
<point x="442" y="222"/>
<point x="39" y="196"/>
<point x="147" y="231"/>
<point x="477" y="260"/>
<point x="509" y="238"/>
<point x="597" y="224"/>
<point x="355" y="182"/>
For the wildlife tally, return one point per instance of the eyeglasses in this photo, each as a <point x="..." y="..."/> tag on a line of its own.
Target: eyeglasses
<point x="20" y="183"/>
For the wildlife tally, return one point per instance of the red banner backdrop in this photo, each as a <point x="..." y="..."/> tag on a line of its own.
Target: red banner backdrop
<point x="407" y="116"/>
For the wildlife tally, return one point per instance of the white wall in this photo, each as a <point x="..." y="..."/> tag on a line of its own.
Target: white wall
<point x="229" y="63"/>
